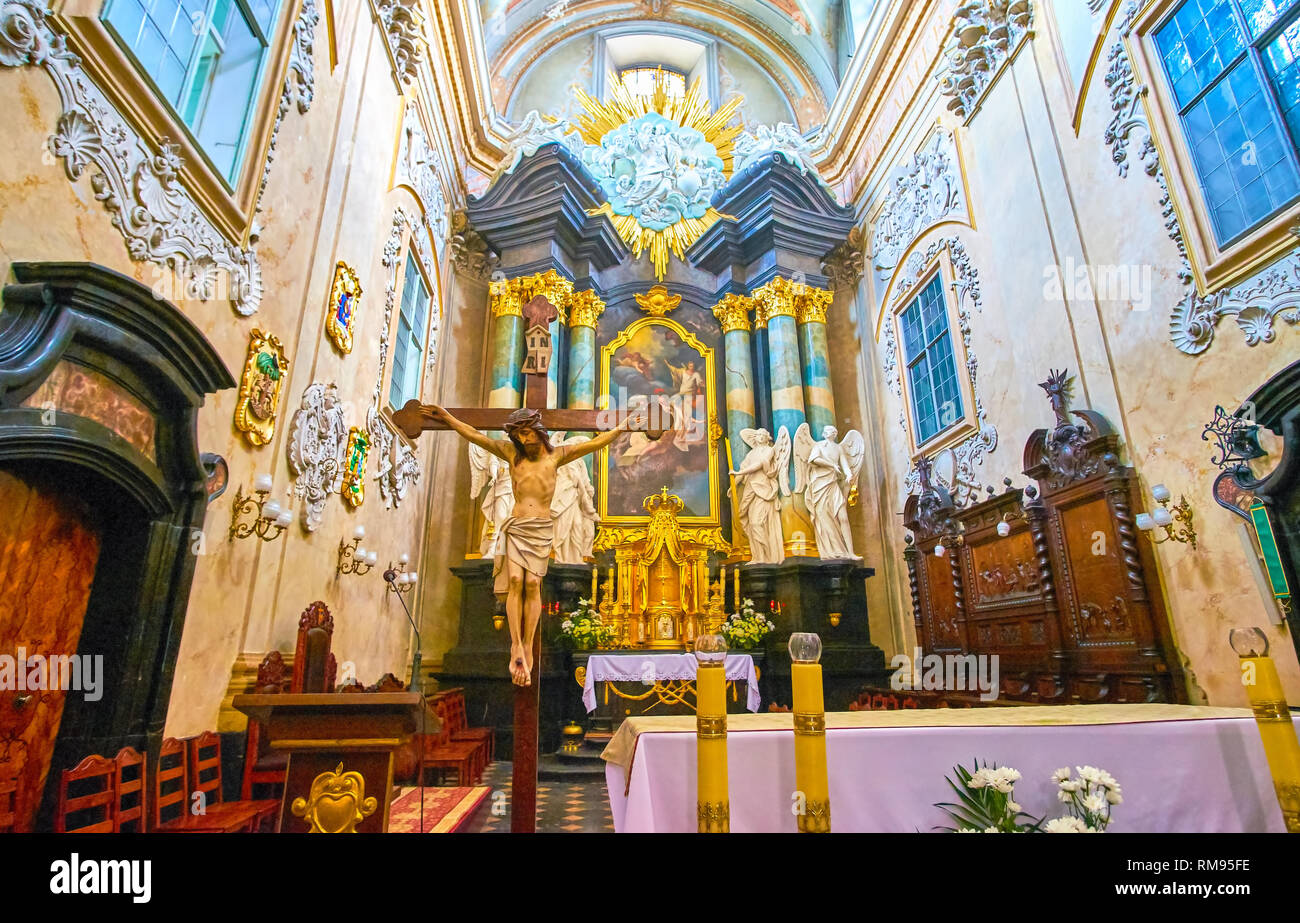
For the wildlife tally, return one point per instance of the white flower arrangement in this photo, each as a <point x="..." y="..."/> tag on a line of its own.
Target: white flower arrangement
<point x="986" y="803"/>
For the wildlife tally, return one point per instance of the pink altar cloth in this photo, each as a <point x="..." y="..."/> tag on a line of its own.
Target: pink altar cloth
<point x="1182" y="768"/>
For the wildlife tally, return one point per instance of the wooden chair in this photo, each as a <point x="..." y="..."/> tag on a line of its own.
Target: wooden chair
<point x="129" y="786"/>
<point x="460" y="729"/>
<point x="441" y="752"/>
<point x="95" y="773"/>
<point x="204" y="759"/>
<point x="8" y="788"/>
<point x="262" y="765"/>
<point x="171" y="799"/>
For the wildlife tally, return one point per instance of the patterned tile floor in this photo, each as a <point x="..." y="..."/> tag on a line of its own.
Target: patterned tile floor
<point x="562" y="807"/>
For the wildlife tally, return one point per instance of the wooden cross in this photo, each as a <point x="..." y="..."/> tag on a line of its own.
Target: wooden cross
<point x="410" y="419"/>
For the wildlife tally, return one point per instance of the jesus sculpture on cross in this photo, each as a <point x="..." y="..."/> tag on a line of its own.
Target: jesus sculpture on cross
<point x="525" y="538"/>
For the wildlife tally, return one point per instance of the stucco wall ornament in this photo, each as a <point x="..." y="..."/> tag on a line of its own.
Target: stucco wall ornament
<point x="783" y="139"/>
<point x="403" y="29"/>
<point x="419" y="167"/>
<point x="139" y="186"/>
<point x="984" y="34"/>
<point x="318" y="438"/>
<point x="1256" y="303"/>
<point x="535" y="132"/>
<point x="924" y="191"/>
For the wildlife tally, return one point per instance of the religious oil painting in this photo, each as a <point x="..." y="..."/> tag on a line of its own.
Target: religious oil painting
<point x="658" y="366"/>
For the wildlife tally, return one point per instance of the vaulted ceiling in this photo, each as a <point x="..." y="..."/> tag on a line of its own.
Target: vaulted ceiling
<point x="795" y="42"/>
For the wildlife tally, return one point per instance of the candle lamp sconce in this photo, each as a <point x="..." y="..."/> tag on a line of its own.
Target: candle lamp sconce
<point x="953" y="536"/>
<point x="1164" y="517"/>
<point x="254" y="514"/>
<point x="402" y="581"/>
<point x="353" y="559"/>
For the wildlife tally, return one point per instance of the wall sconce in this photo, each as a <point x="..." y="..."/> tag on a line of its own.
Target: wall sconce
<point x="269" y="517"/>
<point x="1164" y="517"/>
<point x="956" y="535"/>
<point x="353" y="559"/>
<point x="1004" y="527"/>
<point x="401" y="580"/>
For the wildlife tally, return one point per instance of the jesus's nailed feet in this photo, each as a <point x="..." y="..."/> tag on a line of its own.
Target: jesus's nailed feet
<point x="518" y="669"/>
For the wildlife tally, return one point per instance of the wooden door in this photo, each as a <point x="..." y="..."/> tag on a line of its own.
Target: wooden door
<point x="49" y="546"/>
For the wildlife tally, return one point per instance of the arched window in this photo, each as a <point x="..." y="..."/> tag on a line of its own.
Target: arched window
<point x="641" y="79"/>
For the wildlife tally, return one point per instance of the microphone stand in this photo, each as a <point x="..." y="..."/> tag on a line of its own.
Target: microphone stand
<point x="417" y="681"/>
<point x="416" y="685"/>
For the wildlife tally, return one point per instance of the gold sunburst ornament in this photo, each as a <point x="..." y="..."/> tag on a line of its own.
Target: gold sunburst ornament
<point x="659" y="159"/>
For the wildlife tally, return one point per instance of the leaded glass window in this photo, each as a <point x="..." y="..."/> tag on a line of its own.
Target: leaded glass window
<point x="931" y="367"/>
<point x="1232" y="69"/>
<point x="408" y="340"/>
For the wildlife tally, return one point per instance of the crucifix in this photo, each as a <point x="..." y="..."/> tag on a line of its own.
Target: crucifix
<point x="525" y="538"/>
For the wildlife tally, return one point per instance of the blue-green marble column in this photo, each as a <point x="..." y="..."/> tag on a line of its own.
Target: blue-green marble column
<point x="819" y="402"/>
<point x="585" y="309"/>
<point x="776" y="310"/>
<point x="507" y="379"/>
<point x="732" y="313"/>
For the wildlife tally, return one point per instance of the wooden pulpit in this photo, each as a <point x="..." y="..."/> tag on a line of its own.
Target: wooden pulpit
<point x="341" y="748"/>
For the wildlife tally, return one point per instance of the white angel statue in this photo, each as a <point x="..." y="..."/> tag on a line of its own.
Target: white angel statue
<point x="826" y="473"/>
<point x="573" y="508"/>
<point x="763" y="478"/>
<point x="486" y="470"/>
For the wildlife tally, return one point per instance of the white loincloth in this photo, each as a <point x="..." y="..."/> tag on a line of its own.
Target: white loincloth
<point x="528" y="543"/>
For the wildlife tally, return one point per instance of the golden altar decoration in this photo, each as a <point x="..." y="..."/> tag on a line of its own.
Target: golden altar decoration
<point x="663" y="597"/>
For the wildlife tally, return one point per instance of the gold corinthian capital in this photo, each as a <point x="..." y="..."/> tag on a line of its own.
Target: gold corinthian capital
<point x="732" y="312"/>
<point x="585" y="308"/>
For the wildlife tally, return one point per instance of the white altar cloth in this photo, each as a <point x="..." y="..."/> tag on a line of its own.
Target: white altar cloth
<point x="1182" y="768"/>
<point x="646" y="668"/>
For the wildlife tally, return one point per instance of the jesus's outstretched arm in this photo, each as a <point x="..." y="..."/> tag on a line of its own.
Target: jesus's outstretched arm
<point x="578" y="450"/>
<point x="498" y="447"/>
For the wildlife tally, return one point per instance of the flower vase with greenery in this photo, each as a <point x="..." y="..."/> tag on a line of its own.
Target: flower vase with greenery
<point x="583" y="630"/>
<point x="746" y="628"/>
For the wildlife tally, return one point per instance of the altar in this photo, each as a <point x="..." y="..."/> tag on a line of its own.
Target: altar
<point x="615" y="686"/>
<point x="1183" y="768"/>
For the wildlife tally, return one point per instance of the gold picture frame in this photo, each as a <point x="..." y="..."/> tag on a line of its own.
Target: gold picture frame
<point x="259" y="388"/>
<point x="354" y="467"/>
<point x="712" y="432"/>
<point x="341" y="311"/>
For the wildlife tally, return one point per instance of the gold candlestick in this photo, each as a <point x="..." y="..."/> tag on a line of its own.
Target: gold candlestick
<point x="1267" y="700"/>
<point x="809" y="734"/>
<point x="713" y="801"/>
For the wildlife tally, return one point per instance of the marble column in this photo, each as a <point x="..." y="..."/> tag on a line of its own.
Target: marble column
<point x="508" y="297"/>
<point x="505" y="387"/>
<point x="732" y="313"/>
<point x="775" y="309"/>
<point x="585" y="309"/>
<point x="819" y="402"/>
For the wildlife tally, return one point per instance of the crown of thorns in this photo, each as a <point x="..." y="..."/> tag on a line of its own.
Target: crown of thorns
<point x="524" y="419"/>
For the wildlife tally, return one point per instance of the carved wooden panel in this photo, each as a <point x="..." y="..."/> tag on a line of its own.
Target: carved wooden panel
<point x="1002" y="572"/>
<point x="1067" y="599"/>
<point x="49" y="546"/>
<point x="1094" y="576"/>
<point x="941" y="616"/>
